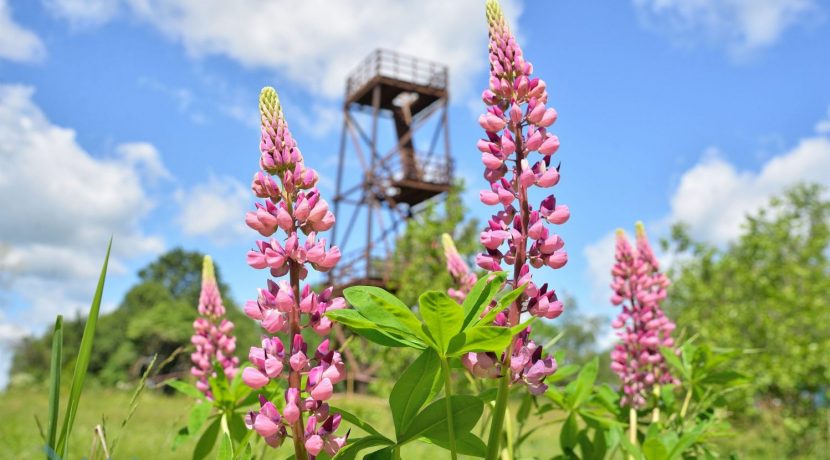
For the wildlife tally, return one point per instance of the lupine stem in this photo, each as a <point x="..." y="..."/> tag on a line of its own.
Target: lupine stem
<point x="655" y="414"/>
<point x="445" y="369"/>
<point x="294" y="377"/>
<point x="686" y="402"/>
<point x="493" y="442"/>
<point x="632" y="428"/>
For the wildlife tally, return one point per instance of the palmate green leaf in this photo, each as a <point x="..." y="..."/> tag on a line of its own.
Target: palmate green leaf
<point x="185" y="388"/>
<point x="581" y="387"/>
<point x="383" y="309"/>
<point x="481" y="295"/>
<point x="356" y="421"/>
<point x="205" y="443"/>
<point x="55" y="383"/>
<point x="568" y="437"/>
<point x="671" y="358"/>
<point x="354" y="446"/>
<point x="383" y="454"/>
<point x="563" y="372"/>
<point x="82" y="361"/>
<point x="413" y="388"/>
<point x="198" y="416"/>
<point x="466" y="444"/>
<point x="225" y="448"/>
<point x="365" y="328"/>
<point x="433" y="419"/>
<point x="480" y="338"/>
<point x="655" y="449"/>
<point x="443" y="317"/>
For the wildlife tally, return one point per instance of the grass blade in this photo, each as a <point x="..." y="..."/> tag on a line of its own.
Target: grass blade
<point x="55" y="382"/>
<point x="82" y="363"/>
<point x="133" y="404"/>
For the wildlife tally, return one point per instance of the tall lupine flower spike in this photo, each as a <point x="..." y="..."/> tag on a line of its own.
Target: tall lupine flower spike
<point x="638" y="288"/>
<point x="516" y="152"/>
<point x="213" y="334"/>
<point x="294" y="207"/>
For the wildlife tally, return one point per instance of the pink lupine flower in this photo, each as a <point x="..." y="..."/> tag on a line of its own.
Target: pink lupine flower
<point x="212" y="334"/>
<point x="294" y="207"/>
<point x="516" y="153"/>
<point x="639" y="287"/>
<point x="459" y="270"/>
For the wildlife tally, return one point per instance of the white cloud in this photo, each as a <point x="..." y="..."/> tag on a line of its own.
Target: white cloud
<point x="215" y="209"/>
<point x="144" y="157"/>
<point x="823" y="125"/>
<point x="713" y="198"/>
<point x="742" y="25"/>
<point x="600" y="257"/>
<point x="16" y="42"/>
<point x="64" y="206"/>
<point x="316" y="42"/>
<point x="82" y="13"/>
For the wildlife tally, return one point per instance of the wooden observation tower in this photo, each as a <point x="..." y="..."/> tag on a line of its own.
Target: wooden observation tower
<point x="394" y="156"/>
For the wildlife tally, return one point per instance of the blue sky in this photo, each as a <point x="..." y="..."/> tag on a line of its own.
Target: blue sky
<point x="138" y="118"/>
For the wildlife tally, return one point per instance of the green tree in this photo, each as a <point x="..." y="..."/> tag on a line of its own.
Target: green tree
<point x="155" y="316"/>
<point x="769" y="293"/>
<point x="418" y="262"/>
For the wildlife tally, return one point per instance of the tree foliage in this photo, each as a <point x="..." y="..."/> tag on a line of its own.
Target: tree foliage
<point x="767" y="293"/>
<point x="155" y="317"/>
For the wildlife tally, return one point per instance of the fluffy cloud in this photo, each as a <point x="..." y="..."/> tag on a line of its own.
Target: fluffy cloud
<point x="740" y="24"/>
<point x="699" y="198"/>
<point x="312" y="42"/>
<point x="214" y="209"/>
<point x="16" y="42"/>
<point x="66" y="204"/>
<point x="83" y="12"/>
<point x="714" y="197"/>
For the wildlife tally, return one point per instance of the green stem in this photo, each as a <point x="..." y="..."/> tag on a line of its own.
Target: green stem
<point x="445" y="368"/>
<point x="498" y="413"/>
<point x="632" y="428"/>
<point x="686" y="402"/>
<point x="655" y="414"/>
<point x="396" y="453"/>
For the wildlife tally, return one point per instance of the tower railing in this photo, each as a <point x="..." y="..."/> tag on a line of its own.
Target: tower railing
<point x="397" y="66"/>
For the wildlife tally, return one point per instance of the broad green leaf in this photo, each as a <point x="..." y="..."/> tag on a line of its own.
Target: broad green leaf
<point x="365" y="328"/>
<point x="82" y="361"/>
<point x="412" y="389"/>
<point x="568" y="437"/>
<point x="383" y="309"/>
<point x="686" y="441"/>
<point x="583" y="384"/>
<point x="465" y="444"/>
<point x="586" y="445"/>
<point x="354" y="446"/>
<point x="563" y="372"/>
<point x="630" y="449"/>
<point x="501" y="305"/>
<point x="466" y="411"/>
<point x="725" y="378"/>
<point x="443" y="317"/>
<point x="198" y="415"/>
<point x="55" y="382"/>
<point x="480" y="338"/>
<point x="181" y="436"/>
<point x="481" y="295"/>
<point x="654" y="449"/>
<point x="225" y="448"/>
<point x="356" y="421"/>
<point x="383" y="454"/>
<point x="674" y="361"/>
<point x="185" y="388"/>
<point x="205" y="443"/>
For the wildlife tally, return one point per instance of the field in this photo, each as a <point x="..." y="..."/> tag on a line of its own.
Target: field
<point x="149" y="434"/>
